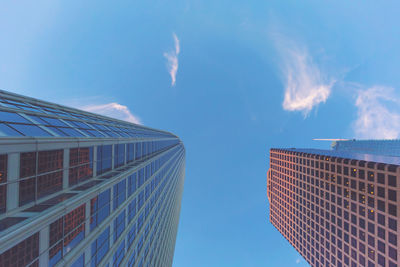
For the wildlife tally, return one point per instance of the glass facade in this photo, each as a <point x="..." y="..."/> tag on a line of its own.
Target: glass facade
<point x="89" y="189"/>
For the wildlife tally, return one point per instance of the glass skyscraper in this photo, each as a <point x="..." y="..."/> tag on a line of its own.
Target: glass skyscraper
<point x="338" y="207"/>
<point x="80" y="189"/>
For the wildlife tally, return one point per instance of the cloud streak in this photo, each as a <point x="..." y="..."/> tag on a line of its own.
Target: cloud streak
<point x="172" y="59"/>
<point x="113" y="110"/>
<point x="378" y="113"/>
<point x="306" y="86"/>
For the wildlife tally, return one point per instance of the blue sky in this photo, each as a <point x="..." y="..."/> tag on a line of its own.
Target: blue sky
<point x="249" y="75"/>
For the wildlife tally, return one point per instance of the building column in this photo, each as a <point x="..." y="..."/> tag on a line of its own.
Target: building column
<point x="126" y="153"/>
<point x="44" y="246"/>
<point x="12" y="178"/>
<point x="66" y="169"/>
<point x="112" y="156"/>
<point x="94" y="161"/>
<point x="87" y="250"/>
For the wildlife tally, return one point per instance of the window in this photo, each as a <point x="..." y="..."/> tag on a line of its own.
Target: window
<point x="100" y="247"/>
<point x="132" y="210"/>
<point x="393" y="253"/>
<point x="130" y="156"/>
<point x="81" y="164"/>
<point x="381" y="178"/>
<point x="119" y="193"/>
<point x="381" y="205"/>
<point x="381" y="233"/>
<point x="392" y="195"/>
<point x="132" y="259"/>
<point x="132" y="184"/>
<point x="138" y="151"/>
<point x="392" y="180"/>
<point x="56" y="125"/>
<point x="381" y="192"/>
<point x="371" y="228"/>
<point x="392" y="238"/>
<point x="392" y="209"/>
<point x="80" y="262"/>
<point x="3" y="186"/>
<point x="119" y="255"/>
<point x="140" y="200"/>
<point x="392" y="224"/>
<point x="132" y="235"/>
<point x="104" y="158"/>
<point x="99" y="208"/>
<point x="140" y="177"/>
<point x="381" y="246"/>
<point x="23" y="253"/>
<point x="43" y="181"/>
<point x="119" y="225"/>
<point x="12" y="124"/>
<point x="119" y="155"/>
<point x="66" y="233"/>
<point x="381" y="218"/>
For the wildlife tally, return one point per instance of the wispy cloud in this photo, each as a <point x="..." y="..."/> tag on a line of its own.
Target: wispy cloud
<point x="378" y="115"/>
<point x="306" y="86"/>
<point x="298" y="260"/>
<point x="113" y="110"/>
<point x="172" y="59"/>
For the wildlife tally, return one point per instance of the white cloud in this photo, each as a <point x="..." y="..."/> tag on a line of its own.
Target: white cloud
<point x="378" y="115"/>
<point x="113" y="110"/>
<point x="306" y="86"/>
<point x="172" y="59"/>
<point x="298" y="260"/>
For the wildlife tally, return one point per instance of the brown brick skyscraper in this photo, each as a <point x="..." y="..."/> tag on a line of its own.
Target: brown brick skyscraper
<point x="338" y="207"/>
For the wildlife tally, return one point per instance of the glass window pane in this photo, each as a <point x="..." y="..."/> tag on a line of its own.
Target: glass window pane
<point x="71" y="132"/>
<point x="12" y="117"/>
<point x="27" y="164"/>
<point x="26" y="252"/>
<point x="57" y="131"/>
<point x="5" y="130"/>
<point x="54" y="122"/>
<point x="30" y="130"/>
<point x="50" y="160"/>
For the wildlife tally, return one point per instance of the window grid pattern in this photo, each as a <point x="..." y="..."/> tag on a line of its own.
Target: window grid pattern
<point x="62" y="237"/>
<point x="137" y="228"/>
<point x="25" y="253"/>
<point x="66" y="233"/>
<point x="335" y="211"/>
<point x="40" y="174"/>
<point x="81" y="165"/>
